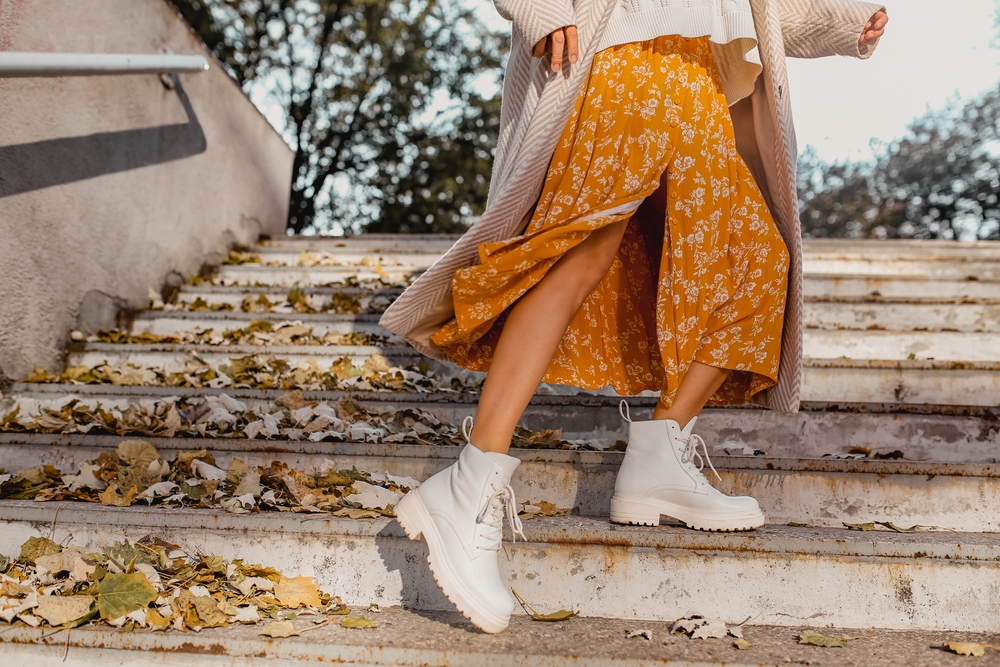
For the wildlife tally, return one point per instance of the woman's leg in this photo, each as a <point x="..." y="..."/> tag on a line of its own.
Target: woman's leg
<point x="532" y="332"/>
<point x="699" y="385"/>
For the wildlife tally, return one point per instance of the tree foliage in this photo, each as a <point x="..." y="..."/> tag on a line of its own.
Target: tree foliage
<point x="391" y="106"/>
<point x="941" y="180"/>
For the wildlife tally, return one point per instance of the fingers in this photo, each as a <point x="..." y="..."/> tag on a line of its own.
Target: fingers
<point x="557" y="43"/>
<point x="571" y="43"/>
<point x="539" y="49"/>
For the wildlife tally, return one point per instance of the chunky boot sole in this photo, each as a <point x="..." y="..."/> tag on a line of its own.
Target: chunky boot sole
<point x="412" y="515"/>
<point x="639" y="511"/>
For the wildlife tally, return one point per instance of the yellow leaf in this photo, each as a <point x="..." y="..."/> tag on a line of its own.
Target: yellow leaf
<point x="111" y="496"/>
<point x="156" y="621"/>
<point x="279" y="629"/>
<point x="816" y="639"/>
<point x="63" y="610"/>
<point x="36" y="547"/>
<point x="742" y="644"/>
<point x="966" y="648"/>
<point x="357" y="623"/>
<point x="120" y="594"/>
<point x="297" y="591"/>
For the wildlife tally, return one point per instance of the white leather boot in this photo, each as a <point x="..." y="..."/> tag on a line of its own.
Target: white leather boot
<point x="459" y="511"/>
<point x="660" y="476"/>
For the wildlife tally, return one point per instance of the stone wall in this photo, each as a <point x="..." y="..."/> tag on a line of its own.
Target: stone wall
<point x="108" y="184"/>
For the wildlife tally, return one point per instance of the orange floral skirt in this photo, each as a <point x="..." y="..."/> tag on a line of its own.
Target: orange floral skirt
<point x="706" y="284"/>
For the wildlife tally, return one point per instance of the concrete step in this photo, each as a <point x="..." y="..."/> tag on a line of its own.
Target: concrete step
<point x="405" y="243"/>
<point x="902" y="315"/>
<point x="944" y="434"/>
<point x="351" y="257"/>
<point x="778" y="575"/>
<point x="897" y="287"/>
<point x="853" y="314"/>
<point x="407" y="638"/>
<point x="372" y="299"/>
<point x="173" y="323"/>
<point x="833" y="378"/>
<point x="315" y="276"/>
<point x="841" y="339"/>
<point x="821" y="492"/>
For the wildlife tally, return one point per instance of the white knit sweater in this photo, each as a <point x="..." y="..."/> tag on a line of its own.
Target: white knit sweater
<point x="727" y="23"/>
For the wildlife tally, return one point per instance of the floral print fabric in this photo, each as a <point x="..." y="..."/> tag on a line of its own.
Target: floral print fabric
<point x="706" y="284"/>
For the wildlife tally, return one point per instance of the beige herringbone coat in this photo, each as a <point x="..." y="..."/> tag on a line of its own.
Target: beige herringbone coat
<point x="537" y="104"/>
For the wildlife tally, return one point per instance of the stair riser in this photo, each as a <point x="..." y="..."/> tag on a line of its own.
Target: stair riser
<point x="291" y="276"/>
<point x="596" y="579"/>
<point x="907" y="288"/>
<point x="808" y="434"/>
<point x="817" y="344"/>
<point x="905" y="386"/>
<point x="824" y="499"/>
<point x="922" y="268"/>
<point x="829" y="315"/>
<point x="167" y="326"/>
<point x="821" y="384"/>
<point x="902" y="317"/>
<point x="893" y="345"/>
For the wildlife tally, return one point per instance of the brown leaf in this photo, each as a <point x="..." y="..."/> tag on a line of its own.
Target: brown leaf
<point x="209" y="613"/>
<point x="860" y="526"/>
<point x="297" y="591"/>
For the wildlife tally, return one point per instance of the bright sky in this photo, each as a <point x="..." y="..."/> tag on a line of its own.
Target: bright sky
<point x="932" y="50"/>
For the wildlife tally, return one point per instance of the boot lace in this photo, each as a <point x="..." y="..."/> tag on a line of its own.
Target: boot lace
<point x="697" y="458"/>
<point x="491" y="517"/>
<point x="501" y="502"/>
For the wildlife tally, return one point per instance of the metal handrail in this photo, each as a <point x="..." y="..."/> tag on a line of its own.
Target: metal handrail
<point x="21" y="64"/>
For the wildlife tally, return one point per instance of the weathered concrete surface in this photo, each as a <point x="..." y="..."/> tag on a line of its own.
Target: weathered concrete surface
<point x="817" y="492"/>
<point x="933" y="433"/>
<point x="447" y="639"/>
<point x="930" y="581"/>
<point x="110" y="183"/>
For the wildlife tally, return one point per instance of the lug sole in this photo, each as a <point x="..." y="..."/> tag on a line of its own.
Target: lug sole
<point x="647" y="511"/>
<point x="416" y="521"/>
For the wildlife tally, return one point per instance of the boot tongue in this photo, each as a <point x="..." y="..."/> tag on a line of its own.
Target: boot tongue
<point x="689" y="429"/>
<point x="507" y="463"/>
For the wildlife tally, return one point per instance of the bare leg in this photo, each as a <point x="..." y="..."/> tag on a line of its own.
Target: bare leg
<point x="700" y="383"/>
<point x="531" y="335"/>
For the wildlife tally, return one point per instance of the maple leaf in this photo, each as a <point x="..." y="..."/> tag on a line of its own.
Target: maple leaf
<point x="121" y="594"/>
<point x="36" y="547"/>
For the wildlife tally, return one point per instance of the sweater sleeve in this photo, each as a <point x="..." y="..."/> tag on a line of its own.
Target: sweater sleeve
<point x="536" y="19"/>
<point x="818" y="28"/>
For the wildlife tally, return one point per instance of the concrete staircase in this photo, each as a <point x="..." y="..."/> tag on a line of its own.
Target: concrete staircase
<point x="902" y="359"/>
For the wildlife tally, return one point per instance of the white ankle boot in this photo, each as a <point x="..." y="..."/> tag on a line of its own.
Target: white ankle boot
<point x="660" y="476"/>
<point x="459" y="511"/>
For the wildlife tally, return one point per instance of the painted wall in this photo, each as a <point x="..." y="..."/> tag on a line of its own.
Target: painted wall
<point x="108" y="184"/>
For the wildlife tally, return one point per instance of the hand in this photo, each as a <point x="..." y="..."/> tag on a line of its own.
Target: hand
<point x="560" y="40"/>
<point x="873" y="30"/>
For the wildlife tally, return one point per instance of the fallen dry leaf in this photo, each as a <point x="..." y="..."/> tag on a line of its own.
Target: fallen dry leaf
<point x="357" y="623"/>
<point x="966" y="648"/>
<point x="742" y="644"/>
<point x="813" y="638"/>
<point x="121" y="594"/>
<point x="279" y="630"/>
<point x="297" y="591"/>
<point x="63" y="610"/>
